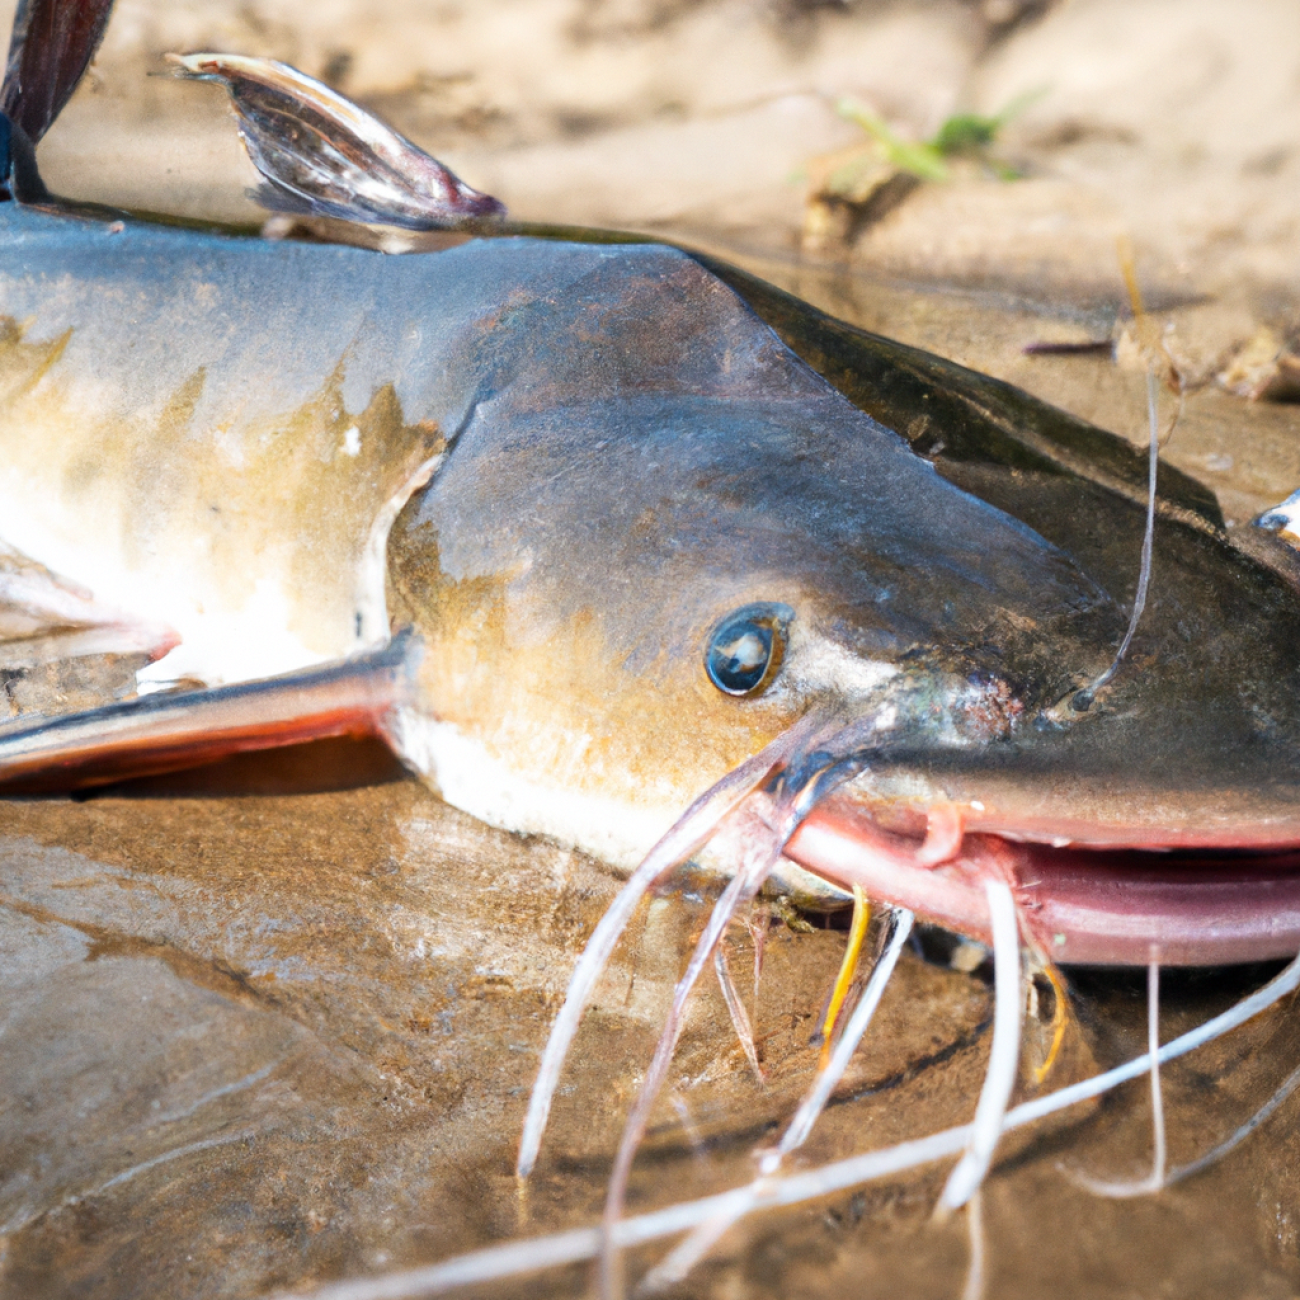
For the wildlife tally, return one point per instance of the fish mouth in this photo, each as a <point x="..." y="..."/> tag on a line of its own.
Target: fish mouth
<point x="1088" y="892"/>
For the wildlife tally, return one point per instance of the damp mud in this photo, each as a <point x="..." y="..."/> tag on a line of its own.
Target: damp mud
<point x="274" y="1024"/>
<point x="259" y="1034"/>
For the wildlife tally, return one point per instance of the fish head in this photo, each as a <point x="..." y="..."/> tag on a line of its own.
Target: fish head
<point x="622" y="600"/>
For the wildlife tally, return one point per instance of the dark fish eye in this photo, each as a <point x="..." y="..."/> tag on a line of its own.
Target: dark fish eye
<point x="746" y="648"/>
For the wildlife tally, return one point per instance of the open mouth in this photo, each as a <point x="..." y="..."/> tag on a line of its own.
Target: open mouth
<point x="1179" y="898"/>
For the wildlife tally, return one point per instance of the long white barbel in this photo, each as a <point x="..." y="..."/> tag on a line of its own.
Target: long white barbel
<point x="760" y="857"/>
<point x="693" y="829"/>
<point x="1004" y="1056"/>
<point x="531" y="1254"/>
<point x="1155" y="1180"/>
<point x="696" y="1244"/>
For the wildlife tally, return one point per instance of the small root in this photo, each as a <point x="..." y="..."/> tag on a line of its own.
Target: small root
<point x="759" y="923"/>
<point x="1215" y="1154"/>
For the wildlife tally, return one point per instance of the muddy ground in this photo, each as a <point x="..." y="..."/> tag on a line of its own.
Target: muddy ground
<point x="255" y="1041"/>
<point x="274" y="1025"/>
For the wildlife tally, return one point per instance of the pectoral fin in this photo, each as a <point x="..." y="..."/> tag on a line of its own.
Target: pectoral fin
<point x="168" y="731"/>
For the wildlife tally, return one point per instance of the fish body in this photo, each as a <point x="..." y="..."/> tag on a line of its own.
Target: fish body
<point x="566" y="467"/>
<point x="617" y="545"/>
<point x="621" y="453"/>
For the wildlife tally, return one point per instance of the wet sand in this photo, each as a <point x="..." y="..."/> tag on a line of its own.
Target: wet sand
<point x="258" y="1040"/>
<point x="276" y="1024"/>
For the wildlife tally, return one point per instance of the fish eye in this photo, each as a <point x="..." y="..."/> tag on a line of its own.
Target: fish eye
<point x="746" y="648"/>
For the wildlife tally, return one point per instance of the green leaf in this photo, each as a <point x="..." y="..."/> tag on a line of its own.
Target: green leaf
<point x="920" y="159"/>
<point x="966" y="133"/>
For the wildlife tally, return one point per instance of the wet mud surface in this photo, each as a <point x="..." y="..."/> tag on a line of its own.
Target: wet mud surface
<point x="274" y="1025"/>
<point x="254" y="1040"/>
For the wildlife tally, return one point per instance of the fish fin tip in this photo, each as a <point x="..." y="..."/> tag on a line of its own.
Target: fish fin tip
<point x="46" y="617"/>
<point x="318" y="151"/>
<point x="51" y="46"/>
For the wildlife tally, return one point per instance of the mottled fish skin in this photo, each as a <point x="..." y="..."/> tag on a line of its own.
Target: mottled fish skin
<point x="216" y="433"/>
<point x="562" y="463"/>
<point x="210" y="427"/>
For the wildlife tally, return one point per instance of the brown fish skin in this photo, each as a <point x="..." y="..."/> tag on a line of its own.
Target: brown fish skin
<point x="187" y="468"/>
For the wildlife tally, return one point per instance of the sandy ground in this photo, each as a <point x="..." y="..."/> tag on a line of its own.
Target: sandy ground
<point x="319" y="1055"/>
<point x="1168" y="124"/>
<point x="1172" y="120"/>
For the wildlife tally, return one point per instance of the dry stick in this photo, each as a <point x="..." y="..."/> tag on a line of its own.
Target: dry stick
<point x="687" y="835"/>
<point x="1004" y="1056"/>
<point x="694" y="1247"/>
<point x="1155" y="1180"/>
<point x="528" y="1256"/>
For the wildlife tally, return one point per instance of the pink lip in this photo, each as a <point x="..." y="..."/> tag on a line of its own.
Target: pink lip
<point x="1184" y="903"/>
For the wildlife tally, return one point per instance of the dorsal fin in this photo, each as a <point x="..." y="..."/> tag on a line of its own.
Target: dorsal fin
<point x="322" y="155"/>
<point x="52" y="44"/>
